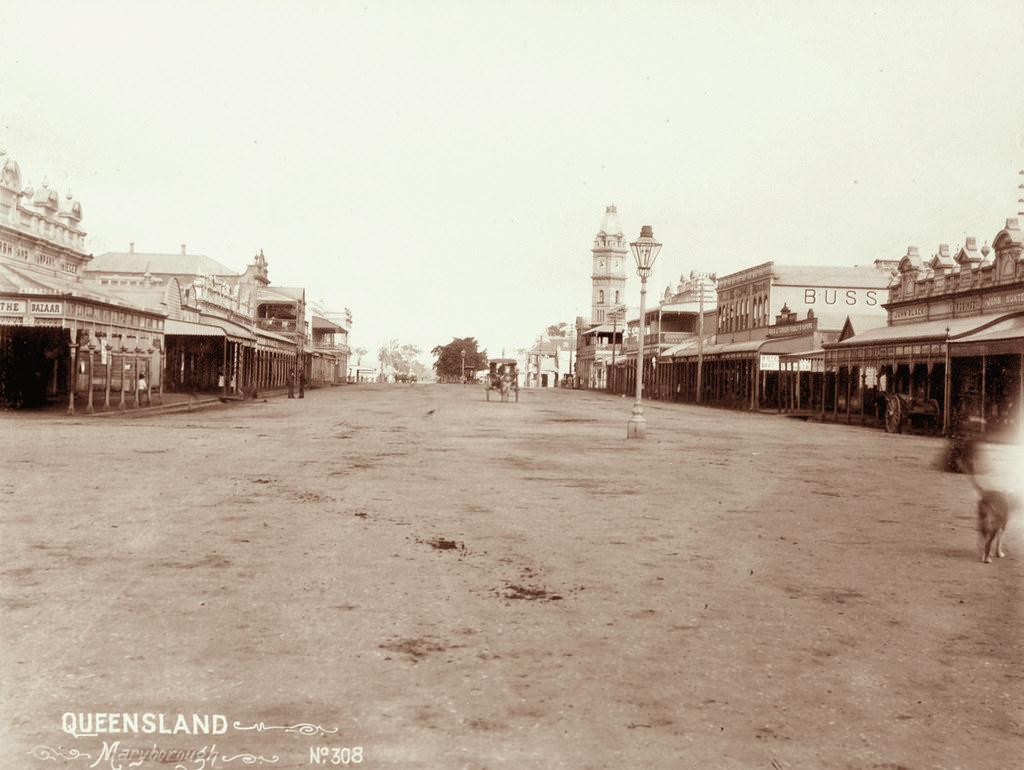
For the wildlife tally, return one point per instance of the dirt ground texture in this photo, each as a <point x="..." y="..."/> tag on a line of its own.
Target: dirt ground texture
<point x="444" y="582"/>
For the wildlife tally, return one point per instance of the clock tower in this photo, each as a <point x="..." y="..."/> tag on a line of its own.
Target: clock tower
<point x="609" y="277"/>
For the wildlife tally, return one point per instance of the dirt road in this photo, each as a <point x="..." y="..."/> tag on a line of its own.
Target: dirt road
<point x="412" y="577"/>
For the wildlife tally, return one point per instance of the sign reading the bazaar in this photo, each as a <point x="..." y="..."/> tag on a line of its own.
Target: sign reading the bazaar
<point x="12" y="307"/>
<point x="47" y="308"/>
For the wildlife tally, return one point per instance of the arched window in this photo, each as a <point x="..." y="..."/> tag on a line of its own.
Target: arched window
<point x="600" y="296"/>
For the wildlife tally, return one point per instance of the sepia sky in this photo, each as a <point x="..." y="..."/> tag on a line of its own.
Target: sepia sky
<point x="442" y="168"/>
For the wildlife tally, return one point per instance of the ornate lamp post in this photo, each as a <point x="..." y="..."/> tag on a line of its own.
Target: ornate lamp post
<point x="136" y="371"/>
<point x="91" y="347"/>
<point x="73" y="380"/>
<point x="160" y="371"/>
<point x="645" y="251"/>
<point x="124" y="350"/>
<point x="463" y="367"/>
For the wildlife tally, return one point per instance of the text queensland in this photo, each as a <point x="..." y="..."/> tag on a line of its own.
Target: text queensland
<point x="81" y="724"/>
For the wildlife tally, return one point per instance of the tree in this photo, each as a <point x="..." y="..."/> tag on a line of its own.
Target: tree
<point x="558" y="330"/>
<point x="395" y="358"/>
<point x="360" y="352"/>
<point x="448" y="365"/>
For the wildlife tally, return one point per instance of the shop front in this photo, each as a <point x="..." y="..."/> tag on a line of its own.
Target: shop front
<point x="952" y="353"/>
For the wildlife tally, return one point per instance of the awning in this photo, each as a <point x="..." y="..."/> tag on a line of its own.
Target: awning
<point x="321" y="324"/>
<point x="1004" y="338"/>
<point x="720" y="349"/>
<point x="924" y="330"/>
<point x="232" y="331"/>
<point x="27" y="281"/>
<point x="744" y="349"/>
<point x="268" y="335"/>
<point x="189" y="329"/>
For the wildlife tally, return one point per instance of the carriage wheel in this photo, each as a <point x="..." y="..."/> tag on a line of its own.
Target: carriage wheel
<point x="893" y="415"/>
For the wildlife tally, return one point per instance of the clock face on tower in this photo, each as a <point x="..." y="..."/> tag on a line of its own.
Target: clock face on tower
<point x="601" y="264"/>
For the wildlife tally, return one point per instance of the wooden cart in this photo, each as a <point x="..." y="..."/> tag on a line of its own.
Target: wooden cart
<point x="901" y="409"/>
<point x="503" y="378"/>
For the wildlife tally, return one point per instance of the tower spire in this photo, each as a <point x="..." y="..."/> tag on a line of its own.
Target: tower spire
<point x="608" y="280"/>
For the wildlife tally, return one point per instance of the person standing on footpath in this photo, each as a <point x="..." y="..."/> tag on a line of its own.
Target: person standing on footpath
<point x="302" y="384"/>
<point x="290" y="382"/>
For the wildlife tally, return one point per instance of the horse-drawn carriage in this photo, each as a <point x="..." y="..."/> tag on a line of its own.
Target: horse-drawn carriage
<point x="503" y="378"/>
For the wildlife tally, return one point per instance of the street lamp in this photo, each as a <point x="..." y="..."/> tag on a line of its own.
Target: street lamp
<point x="463" y="367"/>
<point x="645" y="251"/>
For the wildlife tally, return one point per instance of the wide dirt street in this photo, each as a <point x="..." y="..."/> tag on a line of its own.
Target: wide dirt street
<point x="412" y="577"/>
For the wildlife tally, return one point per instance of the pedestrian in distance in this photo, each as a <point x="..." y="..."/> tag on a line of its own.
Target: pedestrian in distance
<point x="290" y="382"/>
<point x="302" y="384"/>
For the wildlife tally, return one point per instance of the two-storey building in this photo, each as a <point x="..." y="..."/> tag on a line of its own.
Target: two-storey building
<point x="954" y="339"/>
<point x="61" y="334"/>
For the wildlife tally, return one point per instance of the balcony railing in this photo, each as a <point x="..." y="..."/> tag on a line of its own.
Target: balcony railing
<point x="655" y="340"/>
<point x="276" y="324"/>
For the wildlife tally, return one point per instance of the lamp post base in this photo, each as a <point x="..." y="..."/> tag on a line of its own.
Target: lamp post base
<point x="636" y="427"/>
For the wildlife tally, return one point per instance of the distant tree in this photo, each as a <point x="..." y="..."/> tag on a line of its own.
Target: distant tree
<point x="360" y="352"/>
<point x="558" y="330"/>
<point x="397" y="359"/>
<point x="421" y="372"/>
<point x="448" y="363"/>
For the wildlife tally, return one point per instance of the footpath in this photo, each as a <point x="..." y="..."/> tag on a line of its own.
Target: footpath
<point x="156" y="403"/>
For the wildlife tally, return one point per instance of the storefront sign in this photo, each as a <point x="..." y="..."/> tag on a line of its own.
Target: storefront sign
<point x="12" y="307"/>
<point x="905" y="313"/>
<point x="1010" y="299"/>
<point x="769" y="362"/>
<point x="793" y="329"/>
<point x="47" y="308"/>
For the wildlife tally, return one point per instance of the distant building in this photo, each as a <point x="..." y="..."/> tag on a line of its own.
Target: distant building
<point x="329" y="344"/>
<point x="684" y="318"/>
<point x="212" y="342"/>
<point x="766" y="352"/>
<point x="772" y="322"/>
<point x="549" y="362"/>
<point x="610" y="253"/>
<point x="598" y="342"/>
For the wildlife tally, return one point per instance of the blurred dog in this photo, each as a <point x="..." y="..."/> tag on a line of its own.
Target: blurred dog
<point x="994" y="510"/>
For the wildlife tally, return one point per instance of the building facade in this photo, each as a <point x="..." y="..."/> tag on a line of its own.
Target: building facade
<point x="683" y="316"/>
<point x="608" y="280"/>
<point x="773" y="321"/>
<point x="600" y="341"/>
<point x="761" y="346"/>
<point x="952" y="349"/>
<point x="212" y="342"/>
<point x="60" y="334"/>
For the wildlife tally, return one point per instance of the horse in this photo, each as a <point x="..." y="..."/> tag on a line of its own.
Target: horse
<point x="505" y="386"/>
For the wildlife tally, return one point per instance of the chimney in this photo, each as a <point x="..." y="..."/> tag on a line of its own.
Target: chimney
<point x="131" y="247"/>
<point x="183" y="249"/>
